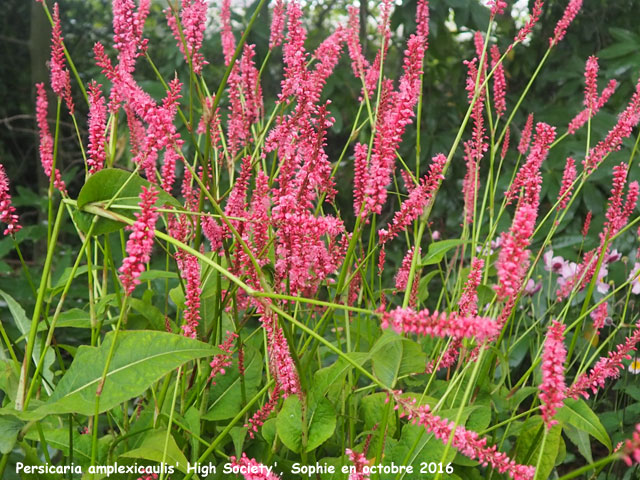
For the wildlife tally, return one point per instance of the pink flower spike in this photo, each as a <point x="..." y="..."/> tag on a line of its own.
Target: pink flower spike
<point x="440" y="325"/>
<point x="536" y="12"/>
<point x="360" y="464"/>
<point x="190" y="271"/>
<point x="228" y="39"/>
<point x="193" y="17"/>
<point x="467" y="442"/>
<point x="566" y="189"/>
<point x="587" y="224"/>
<point x="570" y="13"/>
<point x="497" y="7"/>
<point x="140" y="241"/>
<point x="468" y="304"/>
<point x="599" y="315"/>
<point x="7" y="211"/>
<point x="513" y="259"/>
<point x="277" y="24"/>
<point x="60" y="77"/>
<point x="46" y="140"/>
<point x="499" y="82"/>
<point x="553" y="388"/>
<point x="251" y="469"/>
<point x="223" y="360"/>
<point x="97" y="125"/>
<point x="591" y="83"/>
<point x="525" y="138"/>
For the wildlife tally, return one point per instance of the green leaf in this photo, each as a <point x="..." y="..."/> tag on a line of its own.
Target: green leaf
<point x="580" y="439"/>
<point x="393" y="356"/>
<point x="104" y="185"/>
<point x="578" y="414"/>
<point x="9" y="429"/>
<point x="321" y="423"/>
<point x="153" y="448"/>
<point x="24" y="325"/>
<point x="151" y="313"/>
<point x="528" y="446"/>
<point x="140" y="358"/>
<point x="329" y="376"/>
<point x="437" y="250"/>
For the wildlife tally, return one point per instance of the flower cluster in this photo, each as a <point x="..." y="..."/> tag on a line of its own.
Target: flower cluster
<point x="251" y="469"/>
<point x="552" y="390"/>
<point x="442" y="324"/>
<point x="7" y="211"/>
<point x="140" y="241"/>
<point x="223" y="360"/>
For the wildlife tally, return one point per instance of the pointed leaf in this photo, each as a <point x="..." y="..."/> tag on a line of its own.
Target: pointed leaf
<point x="578" y="414"/>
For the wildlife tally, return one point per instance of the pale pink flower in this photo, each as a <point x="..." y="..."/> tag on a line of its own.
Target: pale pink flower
<point x="60" y="77"/>
<point x="440" y="325"/>
<point x="553" y="388"/>
<point x="553" y="264"/>
<point x="634" y="278"/>
<point x="140" y="241"/>
<point x="97" y="125"/>
<point x="7" y="211"/>
<point x="223" y="360"/>
<point x="467" y="442"/>
<point x="46" y="140"/>
<point x="251" y="469"/>
<point x="513" y="260"/>
<point x="525" y="138"/>
<point x="606" y="367"/>
<point x="532" y="287"/>
<point x="570" y="13"/>
<point x="360" y="462"/>
<point x="568" y="176"/>
<point x="613" y="256"/>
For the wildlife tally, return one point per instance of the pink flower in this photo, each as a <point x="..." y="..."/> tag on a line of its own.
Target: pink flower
<point x="468" y="304"/>
<point x="190" y="271"/>
<point x="228" y="40"/>
<point x="532" y="287"/>
<point x="402" y="277"/>
<point x="97" y="125"/>
<point x="360" y="464"/>
<point x="468" y="442"/>
<point x="60" y="77"/>
<point x="536" y="12"/>
<point x="587" y="224"/>
<point x="419" y="198"/>
<point x="263" y="413"/>
<point x="250" y="469"/>
<point x="277" y="24"/>
<point x="7" y="211"/>
<point x="499" y="82"/>
<point x="513" y="260"/>
<point x="440" y="325"/>
<point x="552" y="389"/>
<point x="193" y="17"/>
<point x="568" y="176"/>
<point x="528" y="177"/>
<point x="497" y="7"/>
<point x="621" y="130"/>
<point x="505" y="143"/>
<point x="631" y="449"/>
<point x="140" y="241"/>
<point x="599" y="315"/>
<point x="223" y="360"/>
<point x="46" y="140"/>
<point x="605" y="367"/>
<point x="280" y="360"/>
<point x="525" y="138"/>
<point x="570" y="13"/>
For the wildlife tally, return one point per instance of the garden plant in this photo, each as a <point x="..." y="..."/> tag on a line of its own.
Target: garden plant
<point x="249" y="299"/>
